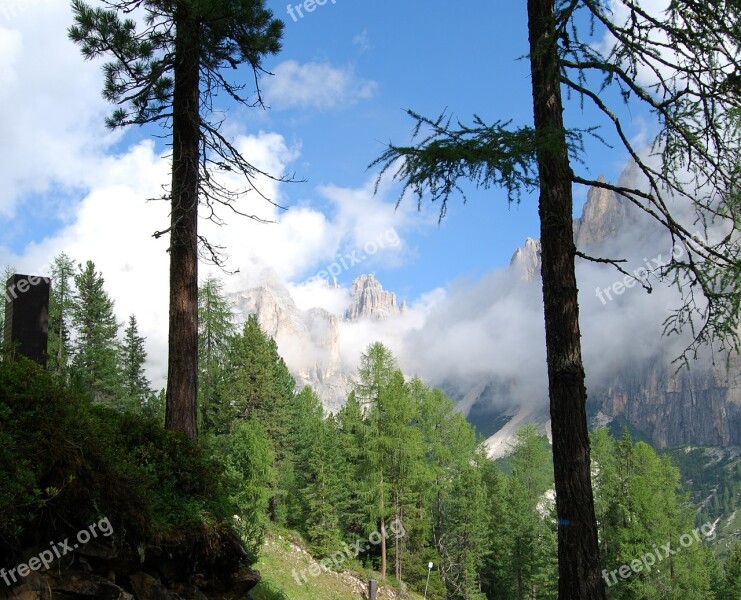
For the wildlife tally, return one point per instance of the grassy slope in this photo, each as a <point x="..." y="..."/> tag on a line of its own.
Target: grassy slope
<point x="283" y="556"/>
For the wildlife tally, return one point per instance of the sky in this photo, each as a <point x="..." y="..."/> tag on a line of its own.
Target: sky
<point x="336" y="96"/>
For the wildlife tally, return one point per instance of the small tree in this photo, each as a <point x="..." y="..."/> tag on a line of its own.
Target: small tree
<point x="135" y="386"/>
<point x="168" y="69"/>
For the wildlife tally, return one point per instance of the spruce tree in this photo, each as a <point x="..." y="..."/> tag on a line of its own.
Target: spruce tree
<point x="317" y="474"/>
<point x="257" y="385"/>
<point x="135" y="387"/>
<point x="350" y="433"/>
<point x="95" y="348"/>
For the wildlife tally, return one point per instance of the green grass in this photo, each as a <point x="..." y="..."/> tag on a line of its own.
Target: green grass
<point x="283" y="558"/>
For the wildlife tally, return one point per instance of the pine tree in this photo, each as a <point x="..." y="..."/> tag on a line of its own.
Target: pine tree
<point x="215" y="328"/>
<point x="61" y="305"/>
<point x="95" y="348"/>
<point x="167" y="67"/>
<point x="136" y="388"/>
<point x="691" y="53"/>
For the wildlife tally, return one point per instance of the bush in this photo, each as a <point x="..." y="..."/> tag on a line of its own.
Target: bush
<point x="65" y="463"/>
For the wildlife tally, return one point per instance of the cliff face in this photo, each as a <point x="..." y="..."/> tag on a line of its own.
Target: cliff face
<point x="604" y="216"/>
<point x="700" y="406"/>
<point x="309" y="340"/>
<point x="371" y="301"/>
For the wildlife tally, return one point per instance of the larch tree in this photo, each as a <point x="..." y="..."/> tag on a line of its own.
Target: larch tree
<point x="167" y="68"/>
<point x="376" y="375"/>
<point x="215" y="327"/>
<point x="681" y="65"/>
<point x="61" y="303"/>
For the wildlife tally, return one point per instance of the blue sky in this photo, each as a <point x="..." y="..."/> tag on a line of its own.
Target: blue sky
<point x="346" y="73"/>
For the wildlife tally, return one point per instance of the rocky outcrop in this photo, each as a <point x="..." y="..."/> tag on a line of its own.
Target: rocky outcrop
<point x="145" y="573"/>
<point x="371" y="301"/>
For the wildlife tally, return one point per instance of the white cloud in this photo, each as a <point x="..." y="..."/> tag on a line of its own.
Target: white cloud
<point x="50" y="98"/>
<point x="362" y="40"/>
<point x="315" y="85"/>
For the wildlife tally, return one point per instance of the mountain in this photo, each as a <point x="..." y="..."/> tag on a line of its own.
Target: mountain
<point x="371" y="301"/>
<point x="642" y="390"/>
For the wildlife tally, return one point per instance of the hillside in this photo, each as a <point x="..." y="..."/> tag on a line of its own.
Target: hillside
<point x="284" y="557"/>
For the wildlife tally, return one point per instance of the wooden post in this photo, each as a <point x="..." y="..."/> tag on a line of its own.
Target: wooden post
<point x="27" y="316"/>
<point x="372" y="589"/>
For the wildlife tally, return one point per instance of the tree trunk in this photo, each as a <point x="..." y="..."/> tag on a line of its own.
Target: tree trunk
<point x="578" y="550"/>
<point x="383" y="533"/>
<point x="182" y="368"/>
<point x="397" y="546"/>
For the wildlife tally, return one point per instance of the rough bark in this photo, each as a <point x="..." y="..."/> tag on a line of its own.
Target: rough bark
<point x="578" y="550"/>
<point x="182" y="370"/>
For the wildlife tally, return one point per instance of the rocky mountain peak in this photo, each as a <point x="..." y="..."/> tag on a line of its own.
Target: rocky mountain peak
<point x="604" y="214"/>
<point x="526" y="260"/>
<point x="371" y="301"/>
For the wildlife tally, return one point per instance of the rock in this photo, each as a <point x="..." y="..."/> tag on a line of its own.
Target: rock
<point x="95" y="549"/>
<point x="244" y="582"/>
<point x="33" y="587"/>
<point x="86" y="585"/>
<point x="604" y="216"/>
<point x="308" y="340"/>
<point x="147" y="587"/>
